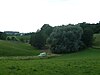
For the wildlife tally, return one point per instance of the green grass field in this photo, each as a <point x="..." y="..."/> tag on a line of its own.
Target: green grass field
<point x="10" y="48"/>
<point x="86" y="62"/>
<point x="82" y="63"/>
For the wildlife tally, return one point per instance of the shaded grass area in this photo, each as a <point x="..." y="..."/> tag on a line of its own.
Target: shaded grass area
<point x="8" y="48"/>
<point x="86" y="62"/>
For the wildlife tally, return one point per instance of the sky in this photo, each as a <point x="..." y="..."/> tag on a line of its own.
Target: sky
<point x="30" y="15"/>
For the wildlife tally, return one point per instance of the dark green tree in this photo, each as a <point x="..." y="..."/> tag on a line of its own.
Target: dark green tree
<point x="3" y="36"/>
<point x="87" y="37"/>
<point x="39" y="38"/>
<point x="65" y="39"/>
<point x="97" y="28"/>
<point x="46" y="29"/>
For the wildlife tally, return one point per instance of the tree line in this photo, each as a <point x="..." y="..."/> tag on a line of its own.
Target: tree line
<point x="15" y="37"/>
<point x="61" y="39"/>
<point x="65" y="38"/>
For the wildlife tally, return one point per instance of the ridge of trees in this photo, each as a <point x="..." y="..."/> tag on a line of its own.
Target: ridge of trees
<point x="65" y="38"/>
<point x="62" y="39"/>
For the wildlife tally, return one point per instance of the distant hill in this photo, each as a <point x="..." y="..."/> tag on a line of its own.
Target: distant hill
<point x="9" y="48"/>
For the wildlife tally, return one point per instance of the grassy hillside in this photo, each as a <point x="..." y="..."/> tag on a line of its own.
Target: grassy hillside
<point x="8" y="48"/>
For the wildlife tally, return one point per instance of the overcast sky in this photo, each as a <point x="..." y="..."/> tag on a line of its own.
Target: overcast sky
<point x="30" y="15"/>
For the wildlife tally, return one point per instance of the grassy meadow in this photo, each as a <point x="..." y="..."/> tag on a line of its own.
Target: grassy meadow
<point x="86" y="62"/>
<point x="11" y="48"/>
<point x="82" y="63"/>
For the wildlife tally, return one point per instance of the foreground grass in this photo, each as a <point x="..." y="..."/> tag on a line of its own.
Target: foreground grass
<point x="81" y="63"/>
<point x="8" y="48"/>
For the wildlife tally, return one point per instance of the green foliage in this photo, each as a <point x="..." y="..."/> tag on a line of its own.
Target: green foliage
<point x="47" y="30"/>
<point x="65" y="39"/>
<point x="13" y="48"/>
<point x="96" y="42"/>
<point x="8" y="38"/>
<point x="39" y="38"/>
<point x="12" y="38"/>
<point x="96" y="28"/>
<point x="87" y="36"/>
<point x="24" y="38"/>
<point x="3" y="36"/>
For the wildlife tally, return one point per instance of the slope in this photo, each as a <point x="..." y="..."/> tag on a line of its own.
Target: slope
<point x="10" y="48"/>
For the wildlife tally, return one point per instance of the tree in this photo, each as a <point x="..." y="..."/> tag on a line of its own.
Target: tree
<point x="39" y="38"/>
<point x="46" y="29"/>
<point x="65" y="39"/>
<point x="87" y="37"/>
<point x="3" y="36"/>
<point x="97" y="28"/>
